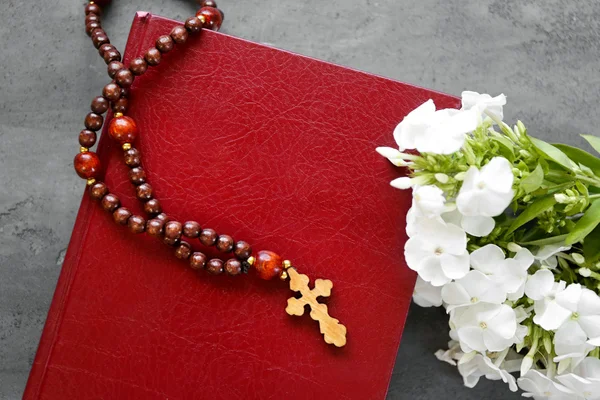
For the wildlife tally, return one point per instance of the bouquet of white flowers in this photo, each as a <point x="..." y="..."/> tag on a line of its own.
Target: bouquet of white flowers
<point x="503" y="232"/>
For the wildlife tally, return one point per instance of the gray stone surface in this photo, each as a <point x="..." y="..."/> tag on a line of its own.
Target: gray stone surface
<point x="541" y="53"/>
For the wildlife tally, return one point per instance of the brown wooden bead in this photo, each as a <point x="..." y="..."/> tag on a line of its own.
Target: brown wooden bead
<point x="138" y="66"/>
<point x="93" y="8"/>
<point x="92" y="17"/>
<point x="121" y="215"/>
<point x="183" y="251"/>
<point x="191" y="229"/>
<point x="152" y="207"/>
<point x="99" y="105"/>
<point x="96" y="32"/>
<point x="120" y="105"/>
<point x="242" y="250"/>
<point x="137" y="175"/>
<point x="111" y="55"/>
<point x="112" y="91"/>
<point x="93" y="121"/>
<point x="110" y="202"/>
<point x="172" y="232"/>
<point x="136" y="224"/>
<point x="87" y="138"/>
<point x="197" y="260"/>
<point x="193" y="25"/>
<point x="208" y="237"/>
<point x="233" y="267"/>
<point x="123" y="129"/>
<point x="212" y="18"/>
<point x="106" y="46"/>
<point x="153" y="56"/>
<point x="144" y="192"/>
<point x="179" y="34"/>
<point x="215" y="266"/>
<point x="114" y="67"/>
<point x="124" y="78"/>
<point x="91" y="26"/>
<point x="224" y="243"/>
<point x="132" y="157"/>
<point x="207" y="3"/>
<point x="164" y="44"/>
<point x="154" y="227"/>
<point x="268" y="264"/>
<point x="125" y="92"/>
<point x="99" y="39"/>
<point x="98" y="190"/>
<point x="87" y="165"/>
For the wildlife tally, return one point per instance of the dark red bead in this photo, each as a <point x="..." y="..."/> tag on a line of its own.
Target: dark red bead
<point x="111" y="55"/>
<point x="193" y="25"/>
<point x="191" y="229"/>
<point x="233" y="267"/>
<point x="132" y="157"/>
<point x="183" y="250"/>
<point x="242" y="250"/>
<point x="138" y="66"/>
<point x="98" y="190"/>
<point x="110" y="202"/>
<point x="99" y="105"/>
<point x="215" y="266"/>
<point x="120" y="106"/>
<point x="91" y="26"/>
<point x="198" y="260"/>
<point x="114" y="67"/>
<point x="136" y="224"/>
<point x="208" y="237"/>
<point x="87" y="165"/>
<point x="124" y="78"/>
<point x="87" y="138"/>
<point x="112" y="91"/>
<point x="212" y="18"/>
<point x="224" y="243"/>
<point x="153" y="56"/>
<point x="123" y="129"/>
<point x="92" y="9"/>
<point x="121" y="215"/>
<point x="179" y="34"/>
<point x="164" y="44"/>
<point x="137" y="175"/>
<point x="93" y="121"/>
<point x="152" y="207"/>
<point x="154" y="227"/>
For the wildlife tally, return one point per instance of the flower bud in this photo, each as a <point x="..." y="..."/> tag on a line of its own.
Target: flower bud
<point x="578" y="258"/>
<point x="561" y="198"/>
<point x="585" y="272"/>
<point x="526" y="364"/>
<point x="441" y="178"/>
<point x="512" y="246"/>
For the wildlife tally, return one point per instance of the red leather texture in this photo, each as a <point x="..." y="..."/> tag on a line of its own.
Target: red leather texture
<point x="270" y="147"/>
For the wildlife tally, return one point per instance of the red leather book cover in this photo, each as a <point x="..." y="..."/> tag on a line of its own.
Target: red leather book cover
<point x="273" y="148"/>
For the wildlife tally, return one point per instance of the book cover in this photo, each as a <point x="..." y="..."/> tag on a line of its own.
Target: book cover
<point x="270" y="147"/>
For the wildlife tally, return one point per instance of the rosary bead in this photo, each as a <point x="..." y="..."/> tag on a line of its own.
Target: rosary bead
<point x="137" y="175"/>
<point x="224" y="243"/>
<point x="208" y="237"/>
<point x="154" y="227"/>
<point x="93" y="121"/>
<point x="121" y="215"/>
<point x="215" y="266"/>
<point x="164" y="44"/>
<point x="110" y="202"/>
<point x="152" y="207"/>
<point x="179" y="34"/>
<point x="99" y="105"/>
<point x="132" y="157"/>
<point x="124" y="78"/>
<point x="233" y="267"/>
<point x="193" y="25"/>
<point x="99" y="39"/>
<point x="120" y="106"/>
<point x="163" y="217"/>
<point x="191" y="229"/>
<point x="172" y="232"/>
<point x="92" y="8"/>
<point x="96" y="32"/>
<point x="111" y="55"/>
<point x="104" y="48"/>
<point x="212" y="17"/>
<point x="123" y="129"/>
<point x="153" y="56"/>
<point x="136" y="224"/>
<point x="114" y="67"/>
<point x="242" y="250"/>
<point x="98" y="190"/>
<point x="87" y="165"/>
<point x="144" y="192"/>
<point x="268" y="264"/>
<point x="197" y="260"/>
<point x="138" y="66"/>
<point x="87" y="138"/>
<point x="91" y="26"/>
<point x="207" y="3"/>
<point x="183" y="251"/>
<point x="91" y="17"/>
<point x="112" y="91"/>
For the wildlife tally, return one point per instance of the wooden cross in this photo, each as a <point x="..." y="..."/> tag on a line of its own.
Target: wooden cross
<point x="334" y="332"/>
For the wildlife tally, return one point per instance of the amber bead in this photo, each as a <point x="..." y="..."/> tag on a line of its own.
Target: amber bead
<point x="112" y="91"/>
<point x="100" y="39"/>
<point x="132" y="157"/>
<point x="120" y="105"/>
<point x="121" y="215"/>
<point x="152" y="207"/>
<point x="268" y="264"/>
<point x="233" y="266"/>
<point x="144" y="192"/>
<point x="153" y="56"/>
<point x="87" y="138"/>
<point x="91" y="26"/>
<point x="197" y="260"/>
<point x="208" y="237"/>
<point x="215" y="266"/>
<point x="99" y="105"/>
<point x="212" y="18"/>
<point x="138" y="66"/>
<point x="242" y="250"/>
<point x="173" y="231"/>
<point x="154" y="227"/>
<point x="137" y="175"/>
<point x="123" y="129"/>
<point x="191" y="229"/>
<point x="179" y="34"/>
<point x="111" y="55"/>
<point x="193" y="25"/>
<point x="98" y="190"/>
<point x="114" y="67"/>
<point x="92" y="8"/>
<point x="164" y="44"/>
<point x="93" y="121"/>
<point x="136" y="224"/>
<point x="224" y="243"/>
<point x="87" y="165"/>
<point x="110" y="202"/>
<point x="183" y="250"/>
<point x="124" y="78"/>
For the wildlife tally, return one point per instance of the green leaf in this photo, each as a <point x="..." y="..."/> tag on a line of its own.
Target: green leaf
<point x="534" y="180"/>
<point x="594" y="141"/>
<point x="581" y="156"/>
<point x="506" y="145"/>
<point x="532" y="211"/>
<point x="591" y="246"/>
<point x="546" y="241"/>
<point x="586" y="224"/>
<point x="552" y="153"/>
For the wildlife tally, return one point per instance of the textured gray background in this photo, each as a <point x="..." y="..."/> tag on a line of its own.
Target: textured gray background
<point x="541" y="53"/>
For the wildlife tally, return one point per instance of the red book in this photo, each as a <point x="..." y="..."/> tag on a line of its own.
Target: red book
<point x="270" y="147"/>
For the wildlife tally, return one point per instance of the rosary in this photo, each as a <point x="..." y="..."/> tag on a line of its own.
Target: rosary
<point x="123" y="130"/>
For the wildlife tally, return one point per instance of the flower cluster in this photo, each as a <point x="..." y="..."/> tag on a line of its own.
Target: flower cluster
<point x="504" y="234"/>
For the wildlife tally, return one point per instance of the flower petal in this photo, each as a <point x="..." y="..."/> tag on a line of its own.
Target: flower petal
<point x="478" y="225"/>
<point x="569" y="298"/>
<point x="539" y="284"/>
<point x="552" y="316"/>
<point x="486" y="258"/>
<point x="455" y="266"/>
<point x="498" y="175"/>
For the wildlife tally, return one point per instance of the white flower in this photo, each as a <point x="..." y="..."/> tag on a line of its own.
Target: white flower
<point x="431" y="131"/>
<point x="485" y="327"/>
<point x="395" y="156"/>
<point x="480" y="366"/>
<point x="486" y="192"/>
<point x="484" y="103"/>
<point x="539" y="386"/>
<point x="427" y="295"/>
<point x="438" y="252"/>
<point x="429" y="200"/>
<point x="546" y="255"/>
<point x="570" y="343"/>
<point x="451" y="355"/>
<point x="473" y="225"/>
<point x="541" y="288"/>
<point x="473" y="288"/>
<point x="584" y="305"/>
<point x="585" y="379"/>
